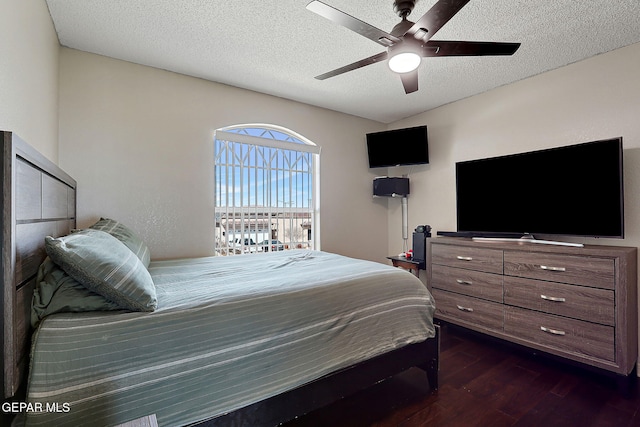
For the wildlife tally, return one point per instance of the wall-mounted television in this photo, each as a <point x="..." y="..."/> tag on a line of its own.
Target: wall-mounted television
<point x="398" y="147"/>
<point x="575" y="190"/>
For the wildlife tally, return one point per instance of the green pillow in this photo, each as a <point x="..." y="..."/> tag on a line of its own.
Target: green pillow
<point x="104" y="265"/>
<point x="57" y="292"/>
<point x="126" y="236"/>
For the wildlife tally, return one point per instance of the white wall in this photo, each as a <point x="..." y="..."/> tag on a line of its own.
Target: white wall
<point x="29" y="74"/>
<point x="139" y="142"/>
<point x="593" y="99"/>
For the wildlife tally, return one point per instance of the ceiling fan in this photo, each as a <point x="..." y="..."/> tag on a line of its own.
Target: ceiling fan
<point x="408" y="42"/>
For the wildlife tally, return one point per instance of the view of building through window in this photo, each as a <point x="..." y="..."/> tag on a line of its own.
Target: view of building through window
<point x="266" y="195"/>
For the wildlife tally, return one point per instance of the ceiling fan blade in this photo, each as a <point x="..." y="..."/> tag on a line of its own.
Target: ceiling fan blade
<point x="465" y="48"/>
<point x="358" y="64"/>
<point x="369" y="31"/>
<point x="439" y="14"/>
<point x="410" y="81"/>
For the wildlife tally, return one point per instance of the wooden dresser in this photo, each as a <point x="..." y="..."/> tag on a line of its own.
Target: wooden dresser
<point x="578" y="303"/>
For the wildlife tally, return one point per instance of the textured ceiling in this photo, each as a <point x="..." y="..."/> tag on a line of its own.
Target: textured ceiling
<point x="278" y="46"/>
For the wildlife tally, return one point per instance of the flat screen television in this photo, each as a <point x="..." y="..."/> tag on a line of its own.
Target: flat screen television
<point x="574" y="190"/>
<point x="398" y="147"/>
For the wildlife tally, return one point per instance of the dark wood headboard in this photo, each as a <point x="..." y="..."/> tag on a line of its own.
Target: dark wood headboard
<point x="38" y="199"/>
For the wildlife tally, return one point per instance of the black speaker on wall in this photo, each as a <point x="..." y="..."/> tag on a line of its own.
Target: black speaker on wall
<point x="390" y="187"/>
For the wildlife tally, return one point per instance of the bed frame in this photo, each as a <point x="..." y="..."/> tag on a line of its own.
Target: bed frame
<point x="333" y="387"/>
<point x="39" y="199"/>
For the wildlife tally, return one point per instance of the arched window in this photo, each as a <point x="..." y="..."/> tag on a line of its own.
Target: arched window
<point x="267" y="192"/>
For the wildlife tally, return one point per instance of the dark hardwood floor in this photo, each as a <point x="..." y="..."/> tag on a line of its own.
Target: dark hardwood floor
<point x="487" y="382"/>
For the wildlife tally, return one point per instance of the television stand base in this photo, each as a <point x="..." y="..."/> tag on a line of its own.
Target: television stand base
<point x="470" y="234"/>
<point x="527" y="238"/>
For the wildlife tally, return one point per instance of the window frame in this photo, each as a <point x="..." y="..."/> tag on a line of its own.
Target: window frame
<point x="277" y="137"/>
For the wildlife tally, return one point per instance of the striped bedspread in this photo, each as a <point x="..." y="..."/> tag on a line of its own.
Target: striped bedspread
<point x="228" y="332"/>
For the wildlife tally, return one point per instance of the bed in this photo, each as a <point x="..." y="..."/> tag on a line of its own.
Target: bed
<point x="243" y="340"/>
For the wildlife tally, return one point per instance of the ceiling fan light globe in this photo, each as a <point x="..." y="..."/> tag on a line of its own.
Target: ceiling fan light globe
<point x="404" y="62"/>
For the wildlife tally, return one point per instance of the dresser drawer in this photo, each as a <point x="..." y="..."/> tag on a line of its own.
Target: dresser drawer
<point x="578" y="270"/>
<point x="467" y="282"/>
<point x="471" y="312"/>
<point x="579" y="302"/>
<point x="560" y="333"/>
<point x="487" y="260"/>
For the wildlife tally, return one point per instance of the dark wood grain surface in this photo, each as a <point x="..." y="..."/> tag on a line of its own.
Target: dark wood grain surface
<point x="488" y="382"/>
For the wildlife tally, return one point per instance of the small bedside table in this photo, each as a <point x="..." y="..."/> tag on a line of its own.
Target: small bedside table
<point x="409" y="264"/>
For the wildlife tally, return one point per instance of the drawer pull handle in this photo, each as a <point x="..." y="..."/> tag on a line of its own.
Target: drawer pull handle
<point x="461" y="308"/>
<point x="549" y="268"/>
<point x="551" y="331"/>
<point x="464" y="282"/>
<point x="464" y="258"/>
<point x="556" y="299"/>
